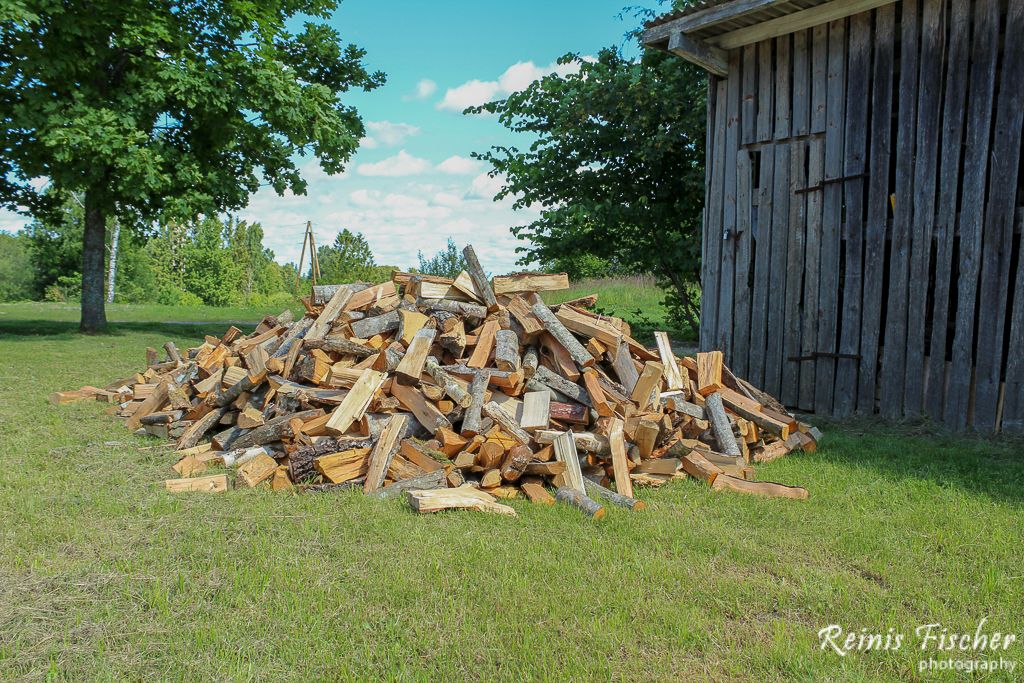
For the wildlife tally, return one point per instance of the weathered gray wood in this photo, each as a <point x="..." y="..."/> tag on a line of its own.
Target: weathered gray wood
<point x="560" y="384"/>
<point x="597" y="491"/>
<point x="985" y="43"/>
<point x="708" y="57"/>
<point x="172" y="353"/>
<point x="815" y="15"/>
<point x="765" y="91"/>
<point x="727" y="267"/>
<point x="343" y="347"/>
<point x="384" y="452"/>
<point x="323" y="293"/>
<point x="762" y="267"/>
<point x="877" y="218"/>
<point x="706" y="18"/>
<point x="378" y="324"/>
<point x="472" y="312"/>
<point x="929" y="109"/>
<point x="819" y="77"/>
<point x="832" y="218"/>
<point x="479" y="277"/>
<point x="471" y="419"/>
<point x="748" y="99"/>
<point x="506" y="350"/>
<point x="576" y="350"/>
<point x="744" y="245"/>
<point x="580" y="501"/>
<point x="713" y="205"/>
<point x="801" y="58"/>
<point x="780" y="224"/>
<point x="721" y="426"/>
<point x="858" y="96"/>
<point x="953" y="107"/>
<point x="295" y="333"/>
<point x="1003" y="188"/>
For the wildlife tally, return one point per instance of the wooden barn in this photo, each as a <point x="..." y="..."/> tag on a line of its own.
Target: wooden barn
<point x="862" y="231"/>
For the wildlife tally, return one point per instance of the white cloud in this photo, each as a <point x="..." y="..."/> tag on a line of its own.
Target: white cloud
<point x="485" y="187"/>
<point x="515" y="78"/>
<point x="424" y="89"/>
<point x="448" y="199"/>
<point x="401" y="164"/>
<point x="391" y="134"/>
<point x="456" y="165"/>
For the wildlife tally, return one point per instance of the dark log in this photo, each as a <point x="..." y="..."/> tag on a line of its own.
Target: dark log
<point x="343" y="347"/>
<point x="248" y="383"/>
<point x="195" y="432"/>
<point x="275" y="430"/>
<point x="425" y="482"/>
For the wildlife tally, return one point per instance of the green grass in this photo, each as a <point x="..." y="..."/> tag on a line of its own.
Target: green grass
<point x="105" y="576"/>
<point x="136" y="313"/>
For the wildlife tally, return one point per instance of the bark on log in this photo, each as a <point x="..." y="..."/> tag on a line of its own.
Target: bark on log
<point x="198" y="428"/>
<point x="341" y="346"/>
<point x="506" y="350"/>
<point x="451" y="388"/>
<point x="248" y="383"/>
<point x="576" y="350"/>
<point x="560" y="384"/>
<point x="275" y="430"/>
<point x="425" y="482"/>
<point x="581" y="502"/>
<point x="472" y="312"/>
<point x="507" y="422"/>
<point x="480" y="282"/>
<point x="598" y="491"/>
<point x="368" y="327"/>
<point x="531" y="359"/>
<point x="471" y="420"/>
<point x="720" y="425"/>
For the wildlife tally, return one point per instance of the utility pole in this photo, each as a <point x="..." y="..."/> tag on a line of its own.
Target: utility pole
<point x="314" y="258"/>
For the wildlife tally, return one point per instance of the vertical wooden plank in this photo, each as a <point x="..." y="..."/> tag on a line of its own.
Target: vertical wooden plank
<point x="812" y="247"/>
<point x="741" y="311"/>
<point x="727" y="278"/>
<point x="780" y="223"/>
<point x="929" y="108"/>
<point x="765" y="83"/>
<point x="812" y="273"/>
<point x="999" y="224"/>
<point x="855" y="142"/>
<point x="762" y="267"/>
<point x="985" y="43"/>
<point x="895" y="350"/>
<point x="801" y="83"/>
<point x="878" y="206"/>
<point x="832" y="217"/>
<point x="795" y="264"/>
<point x="953" y="106"/>
<point x="819" y="77"/>
<point x="712" y="250"/>
<point x="748" y="105"/>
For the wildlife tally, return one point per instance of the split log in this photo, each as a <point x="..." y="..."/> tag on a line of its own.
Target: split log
<point x="536" y="410"/>
<point x="426" y="482"/>
<point x="477" y="391"/>
<point x="332" y="309"/>
<point x="578" y="352"/>
<point x="580" y="501"/>
<point x="340" y="346"/>
<point x="198" y="428"/>
<point x="565" y="451"/>
<point x="411" y="366"/>
<point x="383" y="452"/>
<point x="530" y="282"/>
<point x="217" y="483"/>
<point x="564" y="386"/>
<point x="356" y="402"/>
<point x="249" y="383"/>
<point x="462" y="498"/>
<point x="725" y="482"/>
<point x="379" y="324"/>
<point x="507" y="422"/>
<point x="481" y="284"/>
<point x="620" y="465"/>
<point x="415" y="402"/>
<point x="531" y="360"/>
<point x="452" y="389"/>
<point x="595" y="490"/>
<point x="536" y="493"/>
<point x="515" y="463"/>
<point x="256" y="471"/>
<point x="720" y="425"/>
<point x="506" y="350"/>
<point x="673" y="378"/>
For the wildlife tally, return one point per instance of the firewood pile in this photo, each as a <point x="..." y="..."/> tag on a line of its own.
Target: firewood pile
<point x="456" y="394"/>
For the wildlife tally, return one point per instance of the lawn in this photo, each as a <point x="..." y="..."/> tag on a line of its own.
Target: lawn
<point x="105" y="576"/>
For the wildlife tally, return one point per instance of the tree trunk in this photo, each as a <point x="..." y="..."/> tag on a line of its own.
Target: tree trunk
<point x="94" y="317"/>
<point x="115" y="240"/>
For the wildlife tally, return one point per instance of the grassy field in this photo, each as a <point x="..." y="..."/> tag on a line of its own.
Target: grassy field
<point x="105" y="576"/>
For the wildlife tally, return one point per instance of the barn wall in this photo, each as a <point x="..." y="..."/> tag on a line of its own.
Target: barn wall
<point x="863" y="219"/>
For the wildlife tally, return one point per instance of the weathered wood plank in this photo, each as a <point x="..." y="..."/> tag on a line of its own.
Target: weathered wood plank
<point x="762" y="267"/>
<point x="727" y="273"/>
<point x="832" y="218"/>
<point x="855" y="142"/>
<point x="765" y="90"/>
<point x="748" y="97"/>
<point x="801" y="83"/>
<point x="744" y="244"/>
<point x="1003" y="188"/>
<point x="877" y="218"/>
<point x="984" y="49"/>
<point x="953" y="107"/>
<point x="714" y="204"/>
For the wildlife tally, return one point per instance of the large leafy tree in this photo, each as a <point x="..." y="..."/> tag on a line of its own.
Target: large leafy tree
<point x="348" y="259"/>
<point x="615" y="165"/>
<point x="169" y="108"/>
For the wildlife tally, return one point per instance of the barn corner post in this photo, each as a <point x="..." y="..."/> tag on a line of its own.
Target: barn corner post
<point x="862" y="228"/>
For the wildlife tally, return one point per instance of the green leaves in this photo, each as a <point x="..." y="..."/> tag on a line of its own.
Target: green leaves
<point x="615" y="165"/>
<point x="180" y="107"/>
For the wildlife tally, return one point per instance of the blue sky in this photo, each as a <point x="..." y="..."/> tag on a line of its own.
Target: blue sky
<point x="412" y="184"/>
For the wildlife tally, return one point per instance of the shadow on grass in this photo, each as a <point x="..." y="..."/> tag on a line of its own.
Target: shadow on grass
<point x="12" y="330"/>
<point x="988" y="464"/>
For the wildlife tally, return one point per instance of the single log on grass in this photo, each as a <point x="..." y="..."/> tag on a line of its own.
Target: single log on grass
<point x="726" y="482"/>
<point x="598" y="491"/>
<point x="580" y="501"/>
